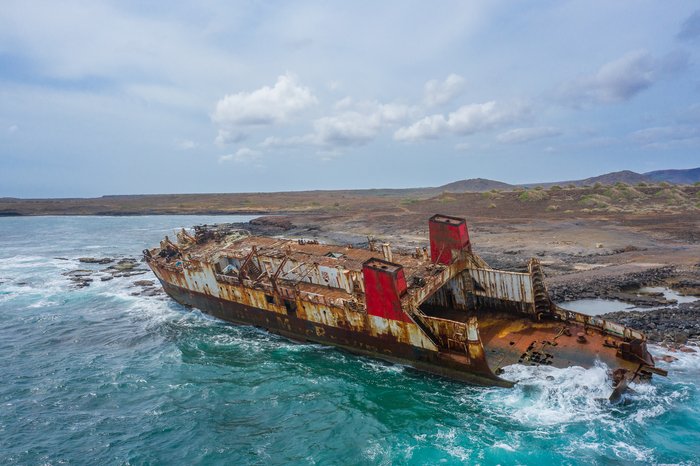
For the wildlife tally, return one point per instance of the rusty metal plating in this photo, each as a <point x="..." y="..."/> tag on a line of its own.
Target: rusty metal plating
<point x="450" y="314"/>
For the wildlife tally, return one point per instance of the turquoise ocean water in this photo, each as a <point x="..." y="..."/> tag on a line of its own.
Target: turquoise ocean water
<point x="99" y="376"/>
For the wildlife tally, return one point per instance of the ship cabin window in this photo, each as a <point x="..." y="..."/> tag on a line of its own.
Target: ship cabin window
<point x="270" y="299"/>
<point x="291" y="306"/>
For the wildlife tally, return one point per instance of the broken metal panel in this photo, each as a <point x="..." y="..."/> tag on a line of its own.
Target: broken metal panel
<point x="498" y="284"/>
<point x="406" y="332"/>
<point x="462" y="338"/>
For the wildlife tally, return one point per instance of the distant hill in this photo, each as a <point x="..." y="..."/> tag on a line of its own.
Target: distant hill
<point x="624" y="176"/>
<point x="689" y="176"/>
<point x="473" y="185"/>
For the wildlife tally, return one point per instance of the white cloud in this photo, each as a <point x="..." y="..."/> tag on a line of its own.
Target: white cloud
<point x="520" y="135"/>
<point x="346" y="129"/>
<point x="360" y="125"/>
<point x="77" y="39"/>
<point x="244" y="155"/>
<point x="345" y="102"/>
<point x="622" y="79"/>
<point x="429" y="127"/>
<point x="468" y="119"/>
<point x="264" y="106"/>
<point x="226" y="137"/>
<point x="12" y="129"/>
<point x="289" y="142"/>
<point x="690" y="29"/>
<point x="357" y="123"/>
<point x="666" y="137"/>
<point x="440" y="92"/>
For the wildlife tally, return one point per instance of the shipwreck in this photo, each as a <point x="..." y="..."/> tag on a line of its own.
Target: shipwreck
<point x="440" y="309"/>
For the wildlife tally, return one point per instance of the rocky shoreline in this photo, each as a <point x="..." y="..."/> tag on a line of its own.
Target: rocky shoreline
<point x="678" y="324"/>
<point x="120" y="268"/>
<point x="664" y="321"/>
<point x="623" y="287"/>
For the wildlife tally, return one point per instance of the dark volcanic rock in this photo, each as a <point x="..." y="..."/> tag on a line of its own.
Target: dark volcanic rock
<point x="143" y="283"/>
<point x="124" y="265"/>
<point x="132" y="273"/>
<point x="78" y="273"/>
<point x="623" y="287"/>
<point x="274" y="222"/>
<point x="672" y="324"/>
<point x="94" y="260"/>
<point x="81" y="281"/>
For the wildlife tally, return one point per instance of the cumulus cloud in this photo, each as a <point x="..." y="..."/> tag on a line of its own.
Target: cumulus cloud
<point x="355" y="124"/>
<point x="264" y="106"/>
<point x="360" y="125"/>
<point x="244" y="155"/>
<point x="468" y="119"/>
<point x="225" y="137"/>
<point x="622" y="79"/>
<point x="289" y="142"/>
<point x="690" y="29"/>
<point x="520" y="135"/>
<point x="440" y="92"/>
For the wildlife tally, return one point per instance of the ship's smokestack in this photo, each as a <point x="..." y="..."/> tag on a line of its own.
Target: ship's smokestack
<point x="446" y="235"/>
<point x="385" y="283"/>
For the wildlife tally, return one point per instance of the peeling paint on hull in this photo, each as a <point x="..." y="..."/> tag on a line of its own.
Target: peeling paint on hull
<point x="300" y="330"/>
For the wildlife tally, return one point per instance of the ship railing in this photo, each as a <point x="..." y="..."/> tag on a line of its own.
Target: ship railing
<point x="597" y="322"/>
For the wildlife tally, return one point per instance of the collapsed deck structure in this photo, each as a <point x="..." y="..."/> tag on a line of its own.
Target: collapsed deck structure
<point x="442" y="310"/>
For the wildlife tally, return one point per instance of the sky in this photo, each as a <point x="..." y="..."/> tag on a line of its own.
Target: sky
<point x="137" y="97"/>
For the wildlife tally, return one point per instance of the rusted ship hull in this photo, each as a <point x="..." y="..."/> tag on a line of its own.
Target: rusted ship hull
<point x="385" y="347"/>
<point x="446" y="312"/>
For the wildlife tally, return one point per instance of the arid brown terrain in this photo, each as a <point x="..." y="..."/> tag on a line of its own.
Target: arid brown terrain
<point x="602" y="241"/>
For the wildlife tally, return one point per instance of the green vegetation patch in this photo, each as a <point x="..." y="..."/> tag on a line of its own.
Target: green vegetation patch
<point x="595" y="201"/>
<point x="533" y="196"/>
